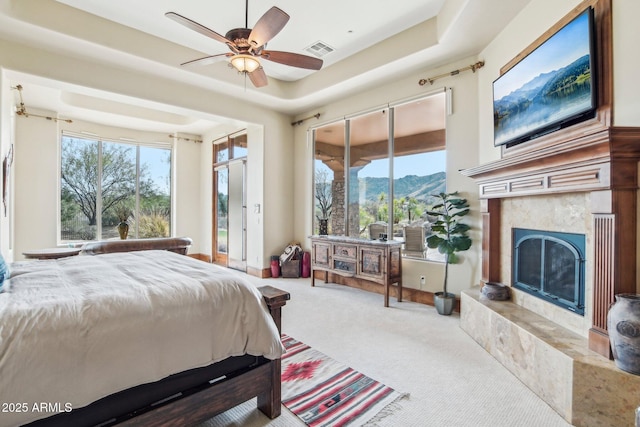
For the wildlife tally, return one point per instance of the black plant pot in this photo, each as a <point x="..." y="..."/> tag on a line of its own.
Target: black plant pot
<point x="444" y="303"/>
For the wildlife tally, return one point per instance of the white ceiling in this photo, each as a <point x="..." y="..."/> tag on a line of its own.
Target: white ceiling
<point x="373" y="39"/>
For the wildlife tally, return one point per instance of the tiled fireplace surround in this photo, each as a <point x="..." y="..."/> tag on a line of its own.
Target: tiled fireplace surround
<point x="586" y="183"/>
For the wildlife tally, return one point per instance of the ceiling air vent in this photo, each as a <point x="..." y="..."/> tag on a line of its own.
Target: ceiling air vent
<point x="319" y="49"/>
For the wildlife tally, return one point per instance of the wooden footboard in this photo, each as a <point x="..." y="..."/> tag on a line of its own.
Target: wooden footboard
<point x="240" y="381"/>
<point x="269" y="401"/>
<point x="262" y="382"/>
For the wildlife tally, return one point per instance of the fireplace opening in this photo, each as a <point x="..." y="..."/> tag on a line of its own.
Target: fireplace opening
<point x="550" y="266"/>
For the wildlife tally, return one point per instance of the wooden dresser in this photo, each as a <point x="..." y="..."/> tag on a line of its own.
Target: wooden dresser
<point x="371" y="260"/>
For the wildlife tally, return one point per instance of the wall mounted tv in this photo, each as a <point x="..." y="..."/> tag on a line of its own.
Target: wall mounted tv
<point x="551" y="88"/>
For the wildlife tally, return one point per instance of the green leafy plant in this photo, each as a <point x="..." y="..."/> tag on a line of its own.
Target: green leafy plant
<point x="123" y="211"/>
<point x="449" y="234"/>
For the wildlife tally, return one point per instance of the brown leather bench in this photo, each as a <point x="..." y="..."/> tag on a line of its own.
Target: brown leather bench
<point x="174" y="244"/>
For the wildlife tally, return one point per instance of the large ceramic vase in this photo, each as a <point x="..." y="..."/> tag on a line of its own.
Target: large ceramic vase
<point x="623" y="324"/>
<point x="444" y="302"/>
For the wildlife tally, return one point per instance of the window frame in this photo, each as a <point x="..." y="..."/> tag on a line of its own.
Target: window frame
<point x="391" y="157"/>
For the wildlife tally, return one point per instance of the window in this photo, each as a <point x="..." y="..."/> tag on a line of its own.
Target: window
<point x="396" y="160"/>
<point x="104" y="182"/>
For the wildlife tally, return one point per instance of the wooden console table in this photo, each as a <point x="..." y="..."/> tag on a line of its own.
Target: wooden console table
<point x="370" y="260"/>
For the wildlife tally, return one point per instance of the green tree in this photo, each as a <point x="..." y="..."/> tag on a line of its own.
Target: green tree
<point x="323" y="194"/>
<point x="413" y="208"/>
<point x="79" y="173"/>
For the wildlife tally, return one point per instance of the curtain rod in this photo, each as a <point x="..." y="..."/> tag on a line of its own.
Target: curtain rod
<point x="179" y="138"/>
<point x="472" y="67"/>
<point x="22" y="109"/>
<point x="299" y="122"/>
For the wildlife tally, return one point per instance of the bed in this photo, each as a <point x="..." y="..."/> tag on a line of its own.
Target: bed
<point x="148" y="337"/>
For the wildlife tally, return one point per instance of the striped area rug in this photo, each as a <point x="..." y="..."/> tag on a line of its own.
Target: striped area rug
<point x="323" y="392"/>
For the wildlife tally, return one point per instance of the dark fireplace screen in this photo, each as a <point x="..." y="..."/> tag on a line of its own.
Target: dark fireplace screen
<point x="550" y="265"/>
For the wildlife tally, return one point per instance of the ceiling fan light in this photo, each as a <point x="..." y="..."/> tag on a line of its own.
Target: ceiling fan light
<point x="245" y="63"/>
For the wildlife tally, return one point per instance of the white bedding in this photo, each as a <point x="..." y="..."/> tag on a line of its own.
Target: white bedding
<point x="77" y="329"/>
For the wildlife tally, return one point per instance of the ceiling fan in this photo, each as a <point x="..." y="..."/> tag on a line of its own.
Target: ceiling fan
<point x="248" y="45"/>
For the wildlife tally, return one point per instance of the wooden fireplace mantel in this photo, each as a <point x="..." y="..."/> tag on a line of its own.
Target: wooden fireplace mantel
<point x="603" y="163"/>
<point x="603" y="159"/>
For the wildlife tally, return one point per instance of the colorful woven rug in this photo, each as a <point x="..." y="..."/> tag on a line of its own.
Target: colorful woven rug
<point x="323" y="392"/>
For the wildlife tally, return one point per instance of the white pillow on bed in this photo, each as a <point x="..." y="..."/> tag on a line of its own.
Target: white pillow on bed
<point x="4" y="274"/>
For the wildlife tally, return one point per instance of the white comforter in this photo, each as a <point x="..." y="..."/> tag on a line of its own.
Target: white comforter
<point x="77" y="329"/>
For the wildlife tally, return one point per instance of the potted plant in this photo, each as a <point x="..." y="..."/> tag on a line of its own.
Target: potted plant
<point x="449" y="236"/>
<point x="123" y="212"/>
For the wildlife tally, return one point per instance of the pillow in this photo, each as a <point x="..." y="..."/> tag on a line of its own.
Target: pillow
<point x="4" y="272"/>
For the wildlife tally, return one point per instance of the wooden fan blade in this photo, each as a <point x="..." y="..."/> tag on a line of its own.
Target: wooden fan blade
<point x="293" y="59"/>
<point x="193" y="25"/>
<point x="208" y="59"/>
<point x="258" y="77"/>
<point x="268" y="26"/>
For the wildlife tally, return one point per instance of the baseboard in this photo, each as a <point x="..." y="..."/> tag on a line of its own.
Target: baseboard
<point x="262" y="273"/>
<point x="201" y="257"/>
<point x="408" y="294"/>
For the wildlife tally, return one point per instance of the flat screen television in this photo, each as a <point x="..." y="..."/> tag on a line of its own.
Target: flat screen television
<point x="551" y="88"/>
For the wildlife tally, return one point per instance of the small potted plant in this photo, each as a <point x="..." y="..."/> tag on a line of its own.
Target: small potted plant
<point x="123" y="212"/>
<point x="449" y="236"/>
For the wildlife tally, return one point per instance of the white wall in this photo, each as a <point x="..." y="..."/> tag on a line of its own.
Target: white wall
<point x="626" y="63"/>
<point x="36" y="166"/>
<point x="462" y="152"/>
<point x="187" y="192"/>
<point x="7" y="134"/>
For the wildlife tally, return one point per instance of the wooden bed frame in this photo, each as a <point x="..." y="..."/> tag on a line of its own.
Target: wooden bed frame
<point x="262" y="382"/>
<point x="237" y="379"/>
<point x="174" y="244"/>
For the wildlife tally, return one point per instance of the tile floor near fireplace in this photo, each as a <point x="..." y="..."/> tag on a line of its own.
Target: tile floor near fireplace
<point x="556" y="363"/>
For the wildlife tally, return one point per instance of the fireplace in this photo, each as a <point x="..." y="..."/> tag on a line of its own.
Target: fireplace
<point x="550" y="266"/>
<point x="586" y="185"/>
<point x="591" y="171"/>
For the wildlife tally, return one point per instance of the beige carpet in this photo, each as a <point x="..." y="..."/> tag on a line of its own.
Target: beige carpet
<point x="450" y="379"/>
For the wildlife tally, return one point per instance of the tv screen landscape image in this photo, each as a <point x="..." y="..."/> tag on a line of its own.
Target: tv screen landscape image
<point x="551" y="88"/>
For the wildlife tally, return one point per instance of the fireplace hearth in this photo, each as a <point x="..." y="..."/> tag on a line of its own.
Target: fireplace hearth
<point x="550" y="266"/>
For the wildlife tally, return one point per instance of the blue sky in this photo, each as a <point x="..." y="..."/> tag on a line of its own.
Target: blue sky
<point x="157" y="162"/>
<point x="567" y="45"/>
